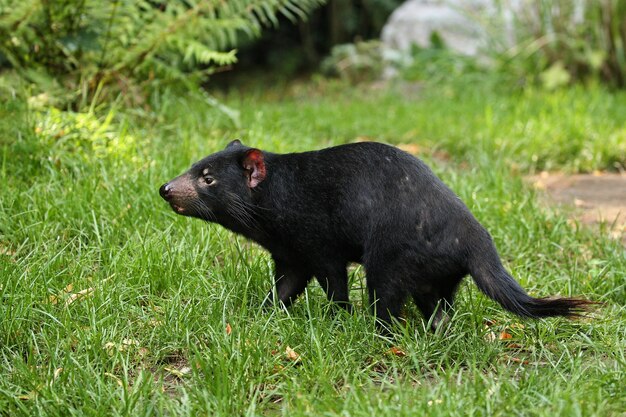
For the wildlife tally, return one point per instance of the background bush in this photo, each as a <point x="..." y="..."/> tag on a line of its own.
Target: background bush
<point x="71" y="49"/>
<point x="565" y="41"/>
<point x="291" y="49"/>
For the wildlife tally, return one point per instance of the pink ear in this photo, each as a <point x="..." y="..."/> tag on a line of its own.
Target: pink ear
<point x="255" y="167"/>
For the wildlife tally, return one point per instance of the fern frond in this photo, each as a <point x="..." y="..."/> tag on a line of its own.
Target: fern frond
<point x="94" y="41"/>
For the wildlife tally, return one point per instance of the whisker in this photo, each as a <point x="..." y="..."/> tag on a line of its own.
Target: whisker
<point x="242" y="211"/>
<point x="204" y="210"/>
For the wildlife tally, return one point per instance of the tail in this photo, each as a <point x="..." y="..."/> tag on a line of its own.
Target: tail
<point x="492" y="279"/>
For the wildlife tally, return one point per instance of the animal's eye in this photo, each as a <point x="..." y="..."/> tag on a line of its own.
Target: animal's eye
<point x="209" y="180"/>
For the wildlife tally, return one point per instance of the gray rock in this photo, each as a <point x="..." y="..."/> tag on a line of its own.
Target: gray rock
<point x="458" y="23"/>
<point x="468" y="27"/>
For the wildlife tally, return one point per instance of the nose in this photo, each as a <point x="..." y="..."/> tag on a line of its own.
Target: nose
<point x="165" y="191"/>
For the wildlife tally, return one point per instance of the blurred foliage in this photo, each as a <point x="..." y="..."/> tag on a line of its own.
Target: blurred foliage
<point x="436" y="63"/>
<point x="73" y="138"/>
<point x="19" y="149"/>
<point x="355" y="62"/>
<point x="35" y="140"/>
<point x="369" y="60"/>
<point x="289" y="49"/>
<point x="565" y="41"/>
<point x="78" y="50"/>
<point x="556" y="43"/>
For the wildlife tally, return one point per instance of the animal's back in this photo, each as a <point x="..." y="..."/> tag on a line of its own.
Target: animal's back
<point x="366" y="177"/>
<point x="359" y="195"/>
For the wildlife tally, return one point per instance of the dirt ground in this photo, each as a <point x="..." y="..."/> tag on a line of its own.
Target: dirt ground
<point x="598" y="198"/>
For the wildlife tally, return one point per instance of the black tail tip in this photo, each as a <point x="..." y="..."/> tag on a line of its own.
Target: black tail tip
<point x="566" y="307"/>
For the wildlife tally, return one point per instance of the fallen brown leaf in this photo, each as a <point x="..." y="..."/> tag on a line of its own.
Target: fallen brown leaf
<point x="396" y="351"/>
<point x="517" y="360"/>
<point x="505" y="336"/>
<point x="513" y="346"/>
<point x="229" y="329"/>
<point x="292" y="355"/>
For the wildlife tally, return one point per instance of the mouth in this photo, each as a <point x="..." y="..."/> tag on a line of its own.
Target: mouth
<point x="178" y="209"/>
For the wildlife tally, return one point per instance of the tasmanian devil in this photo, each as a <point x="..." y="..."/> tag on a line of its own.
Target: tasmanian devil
<point x="364" y="202"/>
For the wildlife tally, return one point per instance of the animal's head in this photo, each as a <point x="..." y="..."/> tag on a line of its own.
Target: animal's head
<point x="218" y="187"/>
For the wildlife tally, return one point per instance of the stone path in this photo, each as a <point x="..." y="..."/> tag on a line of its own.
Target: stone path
<point x="598" y="197"/>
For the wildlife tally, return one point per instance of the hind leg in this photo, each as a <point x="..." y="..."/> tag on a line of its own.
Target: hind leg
<point x="387" y="292"/>
<point x="386" y="305"/>
<point x="436" y="305"/>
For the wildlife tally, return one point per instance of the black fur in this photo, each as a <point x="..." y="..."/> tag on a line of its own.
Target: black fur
<point x="366" y="202"/>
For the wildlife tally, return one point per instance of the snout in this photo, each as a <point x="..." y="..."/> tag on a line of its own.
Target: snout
<point x="180" y="194"/>
<point x="166" y="191"/>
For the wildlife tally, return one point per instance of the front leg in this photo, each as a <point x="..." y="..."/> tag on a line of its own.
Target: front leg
<point x="290" y="281"/>
<point x="333" y="278"/>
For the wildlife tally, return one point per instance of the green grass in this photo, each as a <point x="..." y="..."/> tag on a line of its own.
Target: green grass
<point x="80" y="211"/>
